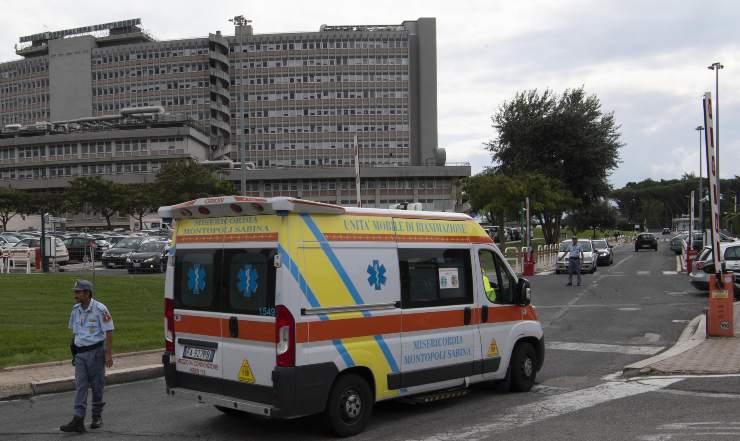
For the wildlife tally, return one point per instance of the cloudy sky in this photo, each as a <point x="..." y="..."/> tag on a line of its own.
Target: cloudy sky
<point x="646" y="60"/>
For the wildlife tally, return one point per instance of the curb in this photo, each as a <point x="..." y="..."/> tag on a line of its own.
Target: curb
<point x="693" y="334"/>
<point x="55" y="385"/>
<point x="66" y="384"/>
<point x="63" y="362"/>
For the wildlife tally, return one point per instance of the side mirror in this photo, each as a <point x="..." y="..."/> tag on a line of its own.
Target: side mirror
<point x="524" y="292"/>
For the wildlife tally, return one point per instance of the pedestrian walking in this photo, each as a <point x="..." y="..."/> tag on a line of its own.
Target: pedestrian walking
<point x="575" y="257"/>
<point x="92" y="351"/>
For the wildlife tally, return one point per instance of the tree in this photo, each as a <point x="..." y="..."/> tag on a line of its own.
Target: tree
<point x="498" y="197"/>
<point x="600" y="215"/>
<point x="104" y="197"/>
<point x="186" y="180"/>
<point x="138" y="200"/>
<point x="565" y="138"/>
<point x="12" y="203"/>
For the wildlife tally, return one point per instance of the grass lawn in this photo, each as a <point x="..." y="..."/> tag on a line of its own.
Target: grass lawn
<point x="35" y="308"/>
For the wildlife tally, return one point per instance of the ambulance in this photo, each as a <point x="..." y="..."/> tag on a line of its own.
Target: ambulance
<point x="284" y="307"/>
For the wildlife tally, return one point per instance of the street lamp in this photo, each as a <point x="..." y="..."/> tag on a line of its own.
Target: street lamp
<point x="716" y="66"/>
<point x="701" y="191"/>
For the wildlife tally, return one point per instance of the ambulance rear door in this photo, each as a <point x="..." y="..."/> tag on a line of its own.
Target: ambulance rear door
<point x="198" y="317"/>
<point x="248" y="303"/>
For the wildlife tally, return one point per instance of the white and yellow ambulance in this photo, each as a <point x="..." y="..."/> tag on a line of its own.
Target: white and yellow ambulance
<point x="285" y="307"/>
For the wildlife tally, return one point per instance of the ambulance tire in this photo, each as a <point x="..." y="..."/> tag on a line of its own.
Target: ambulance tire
<point x="523" y="368"/>
<point x="349" y="406"/>
<point x="229" y="411"/>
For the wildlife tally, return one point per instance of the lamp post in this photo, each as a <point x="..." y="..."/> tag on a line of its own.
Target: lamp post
<point x="716" y="66"/>
<point x="701" y="190"/>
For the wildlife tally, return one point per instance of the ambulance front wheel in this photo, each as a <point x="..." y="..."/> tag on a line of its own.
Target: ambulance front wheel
<point x="349" y="406"/>
<point x="523" y="368"/>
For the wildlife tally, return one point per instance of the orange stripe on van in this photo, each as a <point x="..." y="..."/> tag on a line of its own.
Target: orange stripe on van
<point x="411" y="322"/>
<point x="349" y="328"/>
<point x="192" y="324"/>
<point x="212" y="326"/>
<point x="254" y="331"/>
<point x="253" y="237"/>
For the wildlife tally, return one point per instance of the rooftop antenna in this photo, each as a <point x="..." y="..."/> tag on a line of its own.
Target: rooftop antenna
<point x="240" y="20"/>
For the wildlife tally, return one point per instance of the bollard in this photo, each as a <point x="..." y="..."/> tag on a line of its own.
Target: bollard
<point x="28" y="261"/>
<point x="38" y="259"/>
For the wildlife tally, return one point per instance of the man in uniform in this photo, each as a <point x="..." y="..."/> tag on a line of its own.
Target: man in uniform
<point x="92" y="350"/>
<point x="575" y="257"/>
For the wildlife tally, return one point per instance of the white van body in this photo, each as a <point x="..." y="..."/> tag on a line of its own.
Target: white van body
<point x="285" y="307"/>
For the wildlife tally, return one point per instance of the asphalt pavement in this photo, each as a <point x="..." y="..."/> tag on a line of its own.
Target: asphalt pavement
<point x="621" y="315"/>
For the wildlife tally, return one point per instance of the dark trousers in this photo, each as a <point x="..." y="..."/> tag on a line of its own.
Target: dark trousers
<point x="89" y="372"/>
<point x="574" y="267"/>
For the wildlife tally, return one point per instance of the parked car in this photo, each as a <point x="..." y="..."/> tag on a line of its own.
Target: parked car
<point x="603" y="251"/>
<point x="117" y="254"/>
<point x="588" y="265"/>
<point x="646" y="240"/>
<point x="147" y="257"/>
<point x="61" y="258"/>
<point x="703" y="265"/>
<point x="8" y="241"/>
<point x="80" y="248"/>
<point x="697" y="277"/>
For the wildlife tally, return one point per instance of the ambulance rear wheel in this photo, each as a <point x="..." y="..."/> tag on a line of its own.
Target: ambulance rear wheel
<point x="349" y="406"/>
<point x="523" y="368"/>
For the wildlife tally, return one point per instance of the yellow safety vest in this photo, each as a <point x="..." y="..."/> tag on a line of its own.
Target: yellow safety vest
<point x="490" y="292"/>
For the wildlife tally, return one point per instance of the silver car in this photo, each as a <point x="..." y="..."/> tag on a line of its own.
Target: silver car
<point x="603" y="251"/>
<point x="588" y="265"/>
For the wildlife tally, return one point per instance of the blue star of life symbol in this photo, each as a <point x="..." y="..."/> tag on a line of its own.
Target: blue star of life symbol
<point x="248" y="279"/>
<point x="197" y="278"/>
<point x="377" y="275"/>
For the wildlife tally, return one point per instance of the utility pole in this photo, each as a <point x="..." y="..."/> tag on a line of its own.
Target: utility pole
<point x="701" y="189"/>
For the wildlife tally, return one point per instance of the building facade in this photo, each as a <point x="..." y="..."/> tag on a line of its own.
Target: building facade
<point x="290" y="104"/>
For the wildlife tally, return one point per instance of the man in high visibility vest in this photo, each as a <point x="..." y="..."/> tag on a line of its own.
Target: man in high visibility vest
<point x="490" y="292"/>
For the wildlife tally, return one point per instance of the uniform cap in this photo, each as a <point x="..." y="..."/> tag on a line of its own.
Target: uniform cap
<point x="83" y="285"/>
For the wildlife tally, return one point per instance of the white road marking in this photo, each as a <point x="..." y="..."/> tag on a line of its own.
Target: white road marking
<point x="554" y="406"/>
<point x="703" y="394"/>
<point x="680" y="321"/>
<point x="678" y="264"/>
<point x="643" y="273"/>
<point x="710" y="429"/>
<point x="598" y="347"/>
<point x="629" y="309"/>
<point x="620" y="262"/>
<point x="670" y="273"/>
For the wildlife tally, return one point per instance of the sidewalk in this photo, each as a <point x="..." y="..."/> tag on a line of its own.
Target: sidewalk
<point x="694" y="353"/>
<point x="37" y="379"/>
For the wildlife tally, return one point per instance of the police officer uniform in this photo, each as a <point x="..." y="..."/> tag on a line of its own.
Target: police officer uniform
<point x="89" y="326"/>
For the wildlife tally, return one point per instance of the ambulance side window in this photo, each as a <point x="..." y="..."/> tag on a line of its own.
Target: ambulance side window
<point x="435" y="277"/>
<point x="196" y="284"/>
<point x="249" y="281"/>
<point x="506" y="282"/>
<point x="491" y="285"/>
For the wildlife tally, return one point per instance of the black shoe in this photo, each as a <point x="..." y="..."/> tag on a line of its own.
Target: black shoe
<point x="97" y="422"/>
<point x="76" y="425"/>
<point x="569" y="284"/>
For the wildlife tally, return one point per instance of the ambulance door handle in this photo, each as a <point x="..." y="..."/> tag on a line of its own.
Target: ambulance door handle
<point x="484" y="314"/>
<point x="234" y="327"/>
<point x="467" y="315"/>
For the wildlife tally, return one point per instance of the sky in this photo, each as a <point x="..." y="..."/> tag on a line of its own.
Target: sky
<point x="645" y="60"/>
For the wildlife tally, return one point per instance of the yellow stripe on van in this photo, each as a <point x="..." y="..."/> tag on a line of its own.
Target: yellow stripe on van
<point x="366" y="352"/>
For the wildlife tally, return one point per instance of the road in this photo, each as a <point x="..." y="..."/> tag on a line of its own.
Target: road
<point x="621" y="314"/>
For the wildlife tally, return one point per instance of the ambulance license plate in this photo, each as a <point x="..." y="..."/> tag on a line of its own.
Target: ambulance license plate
<point x="198" y="353"/>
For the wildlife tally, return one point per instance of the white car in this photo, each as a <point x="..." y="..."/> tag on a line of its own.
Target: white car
<point x="19" y="250"/>
<point x="588" y="265"/>
<point x="730" y="252"/>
